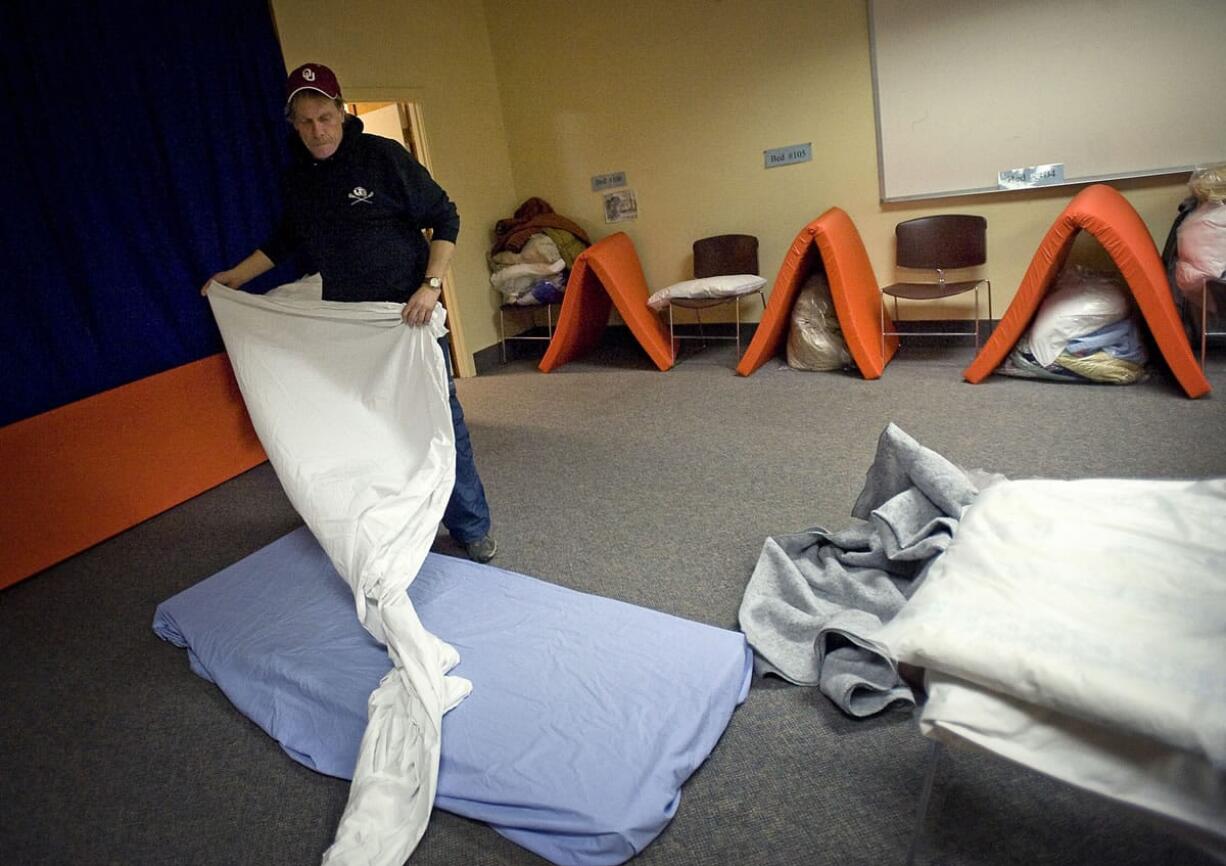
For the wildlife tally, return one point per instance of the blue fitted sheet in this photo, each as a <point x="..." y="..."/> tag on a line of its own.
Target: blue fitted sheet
<point x="586" y="717"/>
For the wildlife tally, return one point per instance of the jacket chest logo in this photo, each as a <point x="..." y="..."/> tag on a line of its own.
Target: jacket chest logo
<point x="360" y="195"/>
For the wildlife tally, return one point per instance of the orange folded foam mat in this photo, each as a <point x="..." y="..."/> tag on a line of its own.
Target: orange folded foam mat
<point x="1108" y="216"/>
<point x="833" y="242"/>
<point x="77" y="475"/>
<point x="606" y="274"/>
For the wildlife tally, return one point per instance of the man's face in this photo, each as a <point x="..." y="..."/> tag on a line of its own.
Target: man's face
<point x="319" y="123"/>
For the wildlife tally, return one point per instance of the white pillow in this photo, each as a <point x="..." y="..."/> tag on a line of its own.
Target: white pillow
<point x="728" y="286"/>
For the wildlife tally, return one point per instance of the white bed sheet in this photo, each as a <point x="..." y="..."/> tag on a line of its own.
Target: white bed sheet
<point x="1129" y="768"/>
<point x="351" y="406"/>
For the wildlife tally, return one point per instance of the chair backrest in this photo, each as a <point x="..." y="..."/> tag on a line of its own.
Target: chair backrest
<point x="947" y="241"/>
<point x="725" y="254"/>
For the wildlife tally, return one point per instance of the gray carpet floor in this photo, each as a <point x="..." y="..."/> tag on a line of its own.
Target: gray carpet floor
<point x="608" y="477"/>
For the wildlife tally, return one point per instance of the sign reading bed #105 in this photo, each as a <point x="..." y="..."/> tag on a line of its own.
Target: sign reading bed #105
<point x="789" y="155"/>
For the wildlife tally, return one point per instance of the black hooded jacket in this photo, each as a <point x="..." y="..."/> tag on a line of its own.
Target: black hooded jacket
<point x="358" y="217"/>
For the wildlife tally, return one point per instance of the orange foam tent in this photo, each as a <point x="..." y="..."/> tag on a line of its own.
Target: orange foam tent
<point x="77" y="475"/>
<point x="1108" y="216"/>
<point x="605" y="274"/>
<point x="833" y="240"/>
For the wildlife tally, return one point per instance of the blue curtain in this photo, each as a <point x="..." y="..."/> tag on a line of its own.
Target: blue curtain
<point x="143" y="145"/>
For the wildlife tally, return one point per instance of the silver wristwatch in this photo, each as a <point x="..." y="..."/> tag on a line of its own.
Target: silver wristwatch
<point x="435" y="283"/>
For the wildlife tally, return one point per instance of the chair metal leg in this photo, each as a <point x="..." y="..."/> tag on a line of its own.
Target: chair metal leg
<point x="881" y="316"/>
<point x="737" y="303"/>
<point x="1204" y="311"/>
<point x="976" y="320"/>
<point x="672" y="341"/>
<point x="502" y="333"/>
<point x="935" y="752"/>
<point x="761" y="300"/>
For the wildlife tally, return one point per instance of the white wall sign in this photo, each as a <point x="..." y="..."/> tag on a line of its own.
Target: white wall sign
<point x="1031" y="175"/>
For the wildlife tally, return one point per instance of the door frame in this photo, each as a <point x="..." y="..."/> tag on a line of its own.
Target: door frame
<point x="409" y="98"/>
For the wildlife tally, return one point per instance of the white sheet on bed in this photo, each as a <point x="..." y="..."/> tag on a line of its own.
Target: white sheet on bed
<point x="351" y="406"/>
<point x="1080" y="607"/>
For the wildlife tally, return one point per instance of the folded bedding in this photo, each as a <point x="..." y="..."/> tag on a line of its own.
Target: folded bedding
<point x="1075" y="627"/>
<point x="1078" y="628"/>
<point x="1104" y="599"/>
<point x="1123" y="766"/>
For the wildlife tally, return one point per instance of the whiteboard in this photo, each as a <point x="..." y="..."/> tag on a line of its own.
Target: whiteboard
<point x="966" y="89"/>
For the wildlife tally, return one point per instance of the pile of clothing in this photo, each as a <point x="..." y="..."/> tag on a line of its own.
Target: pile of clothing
<point x="533" y="253"/>
<point x="1085" y="331"/>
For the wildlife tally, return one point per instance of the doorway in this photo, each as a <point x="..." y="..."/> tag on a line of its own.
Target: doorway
<point x="402" y="121"/>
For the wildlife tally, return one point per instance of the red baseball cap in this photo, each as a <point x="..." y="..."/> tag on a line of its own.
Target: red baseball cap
<point x="312" y="76"/>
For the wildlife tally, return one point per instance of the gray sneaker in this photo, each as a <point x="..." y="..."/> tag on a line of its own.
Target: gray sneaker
<point x="481" y="550"/>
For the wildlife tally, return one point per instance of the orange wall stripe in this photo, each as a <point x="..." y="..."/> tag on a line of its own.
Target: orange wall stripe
<point x="79" y="474"/>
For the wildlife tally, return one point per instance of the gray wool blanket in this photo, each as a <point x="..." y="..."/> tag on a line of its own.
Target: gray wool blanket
<point x="816" y="598"/>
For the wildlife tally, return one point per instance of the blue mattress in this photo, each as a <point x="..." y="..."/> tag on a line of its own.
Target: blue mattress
<point x="586" y="716"/>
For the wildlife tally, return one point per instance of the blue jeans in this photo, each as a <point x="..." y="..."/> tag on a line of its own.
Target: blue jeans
<point x="467" y="516"/>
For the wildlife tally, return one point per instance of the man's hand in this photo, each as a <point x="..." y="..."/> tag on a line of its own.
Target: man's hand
<point x="226" y="278"/>
<point x="244" y="272"/>
<point x="420" y="306"/>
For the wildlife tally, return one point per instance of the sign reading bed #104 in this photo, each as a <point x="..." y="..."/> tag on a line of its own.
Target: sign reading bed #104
<point x="789" y="155"/>
<point x="1031" y="175"/>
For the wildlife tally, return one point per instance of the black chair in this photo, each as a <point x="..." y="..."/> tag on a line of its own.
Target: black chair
<point x="717" y="256"/>
<point x="725" y="254"/>
<point x="937" y="244"/>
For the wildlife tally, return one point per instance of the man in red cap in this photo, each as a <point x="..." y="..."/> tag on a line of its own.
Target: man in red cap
<point x="356" y="205"/>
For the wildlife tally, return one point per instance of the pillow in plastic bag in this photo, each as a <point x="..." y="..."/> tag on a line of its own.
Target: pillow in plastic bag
<point x="815" y="340"/>
<point x="1083" y="301"/>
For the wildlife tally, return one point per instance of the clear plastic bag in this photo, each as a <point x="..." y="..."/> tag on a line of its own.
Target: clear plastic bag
<point x="1081" y="302"/>
<point x="1208" y="182"/>
<point x="815" y="340"/>
<point x="1202" y="248"/>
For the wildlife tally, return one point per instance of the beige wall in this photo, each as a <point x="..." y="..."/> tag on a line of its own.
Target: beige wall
<point x="685" y="95"/>
<point x="534" y="97"/>
<point x="436" y="53"/>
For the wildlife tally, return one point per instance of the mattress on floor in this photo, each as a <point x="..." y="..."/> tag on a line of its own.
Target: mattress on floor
<point x="586" y="717"/>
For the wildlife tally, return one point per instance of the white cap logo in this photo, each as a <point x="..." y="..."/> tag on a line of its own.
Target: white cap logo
<point x="308" y="74"/>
